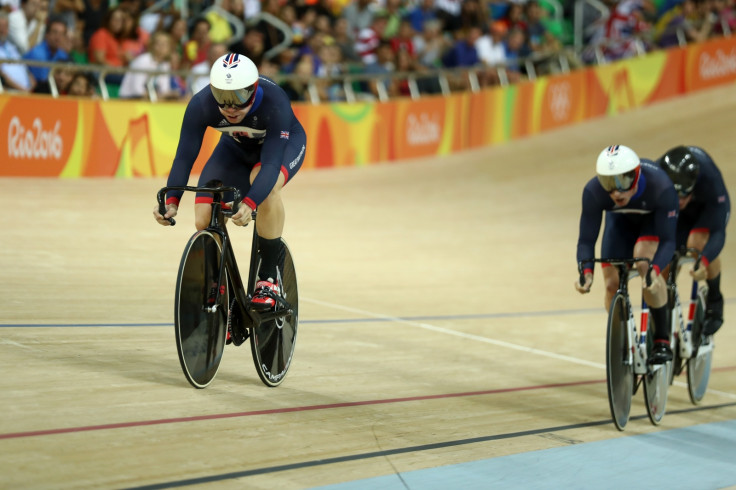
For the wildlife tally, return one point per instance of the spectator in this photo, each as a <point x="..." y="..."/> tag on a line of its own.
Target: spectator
<point x="359" y="15"/>
<point x="448" y="11"/>
<point x="93" y="17"/>
<point x="68" y="11"/>
<point x="516" y="51"/>
<point x="251" y="46"/>
<point x="330" y="66"/>
<point x="369" y="39"/>
<point x="404" y="38"/>
<point x="384" y="64"/>
<point x="135" y="39"/>
<point x="15" y="76"/>
<point x="78" y="51"/>
<point x="200" y="73"/>
<point x="157" y="58"/>
<point x="431" y="44"/>
<point x="297" y="88"/>
<point x="492" y="50"/>
<point x="81" y="85"/>
<point x="344" y="40"/>
<point x="726" y="17"/>
<point x="540" y="41"/>
<point x="421" y="13"/>
<point x="106" y="45"/>
<point x="27" y="24"/>
<point x="618" y="38"/>
<point x="272" y="35"/>
<point x="472" y="14"/>
<point x="195" y="51"/>
<point x="463" y="54"/>
<point x="394" y="12"/>
<point x="49" y="49"/>
<point x="62" y="78"/>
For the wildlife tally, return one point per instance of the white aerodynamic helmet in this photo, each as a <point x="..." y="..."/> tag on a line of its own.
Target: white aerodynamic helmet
<point x="234" y="80"/>
<point x="618" y="168"/>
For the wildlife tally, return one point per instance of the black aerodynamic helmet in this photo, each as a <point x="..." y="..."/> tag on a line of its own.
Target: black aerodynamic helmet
<point x="683" y="168"/>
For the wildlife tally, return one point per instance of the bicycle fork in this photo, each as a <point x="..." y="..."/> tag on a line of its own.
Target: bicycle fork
<point x="639" y="345"/>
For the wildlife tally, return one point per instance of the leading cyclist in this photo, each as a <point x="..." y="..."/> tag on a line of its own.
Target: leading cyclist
<point x="261" y="149"/>
<point x="640" y="206"/>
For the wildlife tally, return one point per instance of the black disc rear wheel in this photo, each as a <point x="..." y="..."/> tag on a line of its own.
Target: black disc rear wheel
<point x="273" y="341"/>
<point x="200" y="312"/>
<point x="619" y="365"/>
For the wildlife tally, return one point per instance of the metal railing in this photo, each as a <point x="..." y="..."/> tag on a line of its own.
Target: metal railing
<point x="355" y="86"/>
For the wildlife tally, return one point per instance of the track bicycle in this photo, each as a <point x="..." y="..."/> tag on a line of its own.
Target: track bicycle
<point x="690" y="347"/>
<point x="213" y="306"/>
<point x="627" y="350"/>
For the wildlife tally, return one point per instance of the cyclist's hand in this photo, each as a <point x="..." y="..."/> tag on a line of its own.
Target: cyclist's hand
<point x="243" y="216"/>
<point x="658" y="285"/>
<point x="171" y="210"/>
<point x="700" y="273"/>
<point x="585" y="288"/>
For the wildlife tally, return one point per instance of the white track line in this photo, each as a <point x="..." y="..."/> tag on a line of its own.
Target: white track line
<point x="447" y="331"/>
<point x="486" y="340"/>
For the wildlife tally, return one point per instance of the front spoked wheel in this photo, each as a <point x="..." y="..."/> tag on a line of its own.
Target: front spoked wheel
<point x="274" y="339"/>
<point x="200" y="312"/>
<point x="698" y="366"/>
<point x="656" y="384"/>
<point x="619" y="363"/>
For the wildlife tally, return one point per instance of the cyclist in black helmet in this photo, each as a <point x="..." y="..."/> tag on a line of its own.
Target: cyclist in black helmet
<point x="704" y="211"/>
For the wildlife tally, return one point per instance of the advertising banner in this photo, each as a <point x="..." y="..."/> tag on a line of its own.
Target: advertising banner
<point x="69" y="138"/>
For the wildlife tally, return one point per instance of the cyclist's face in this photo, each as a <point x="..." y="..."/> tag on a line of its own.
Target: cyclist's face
<point x="684" y="201"/>
<point x="233" y="114"/>
<point x="622" y="198"/>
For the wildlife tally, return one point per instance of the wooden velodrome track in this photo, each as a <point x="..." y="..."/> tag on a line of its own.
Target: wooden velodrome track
<point x="439" y="323"/>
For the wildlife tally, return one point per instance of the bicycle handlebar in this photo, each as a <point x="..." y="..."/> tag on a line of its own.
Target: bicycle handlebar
<point x="161" y="198"/>
<point x="619" y="263"/>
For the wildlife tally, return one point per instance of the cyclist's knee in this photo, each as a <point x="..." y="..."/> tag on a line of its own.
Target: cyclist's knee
<point x="697" y="240"/>
<point x="202" y="214"/>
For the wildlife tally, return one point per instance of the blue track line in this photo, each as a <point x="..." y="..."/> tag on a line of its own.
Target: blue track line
<point x="479" y="316"/>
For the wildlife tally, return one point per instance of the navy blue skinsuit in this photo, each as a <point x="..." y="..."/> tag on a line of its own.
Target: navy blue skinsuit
<point x="651" y="214"/>
<point x="708" y="209"/>
<point x="269" y="135"/>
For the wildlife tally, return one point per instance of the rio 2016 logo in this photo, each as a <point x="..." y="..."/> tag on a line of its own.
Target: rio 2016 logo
<point x="35" y="141"/>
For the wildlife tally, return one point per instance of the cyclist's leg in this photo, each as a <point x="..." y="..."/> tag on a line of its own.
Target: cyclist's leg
<point x="228" y="164"/>
<point x="271" y="212"/>
<point x="646" y="246"/>
<point x="714" y="301"/>
<point x="619" y="237"/>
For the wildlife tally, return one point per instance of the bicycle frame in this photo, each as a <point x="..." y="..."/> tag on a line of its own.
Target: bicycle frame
<point x="684" y="328"/>
<point x="227" y="259"/>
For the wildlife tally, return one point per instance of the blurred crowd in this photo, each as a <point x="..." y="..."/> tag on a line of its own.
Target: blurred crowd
<point x="323" y="40"/>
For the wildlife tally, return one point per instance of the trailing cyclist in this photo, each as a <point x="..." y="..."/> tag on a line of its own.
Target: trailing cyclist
<point x="704" y="211"/>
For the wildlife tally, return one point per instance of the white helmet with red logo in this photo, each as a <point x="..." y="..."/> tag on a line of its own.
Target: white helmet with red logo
<point x="618" y="168"/>
<point x="234" y="80"/>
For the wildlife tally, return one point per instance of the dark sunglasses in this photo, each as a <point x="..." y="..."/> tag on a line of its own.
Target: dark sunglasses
<point x="234" y="106"/>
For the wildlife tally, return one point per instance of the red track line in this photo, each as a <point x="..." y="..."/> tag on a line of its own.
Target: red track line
<point x="17" y="435"/>
<point x="142" y="423"/>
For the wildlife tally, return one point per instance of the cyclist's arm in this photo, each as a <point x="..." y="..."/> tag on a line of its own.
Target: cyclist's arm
<point x="192" y="132"/>
<point x="715" y="218"/>
<point x="590" y="225"/>
<point x="665" y="227"/>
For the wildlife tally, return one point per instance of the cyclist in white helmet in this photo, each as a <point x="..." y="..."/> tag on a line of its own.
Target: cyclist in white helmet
<point x="640" y="206"/>
<point x="262" y="147"/>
